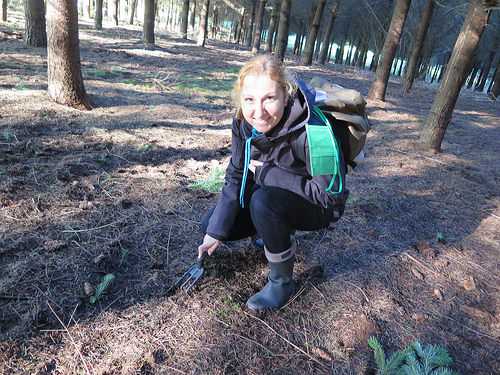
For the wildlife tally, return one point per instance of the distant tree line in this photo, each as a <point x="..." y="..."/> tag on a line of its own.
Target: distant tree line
<point x="452" y="42"/>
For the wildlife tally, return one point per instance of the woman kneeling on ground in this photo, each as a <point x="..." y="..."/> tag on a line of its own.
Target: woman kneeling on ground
<point x="269" y="191"/>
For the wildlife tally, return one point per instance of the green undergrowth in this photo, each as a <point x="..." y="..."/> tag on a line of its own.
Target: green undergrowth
<point x="217" y="83"/>
<point x="415" y="359"/>
<point x="213" y="183"/>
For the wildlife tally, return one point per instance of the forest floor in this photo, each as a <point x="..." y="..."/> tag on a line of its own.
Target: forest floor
<point x="84" y="194"/>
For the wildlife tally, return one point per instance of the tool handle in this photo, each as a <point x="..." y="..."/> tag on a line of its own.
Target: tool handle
<point x="201" y="259"/>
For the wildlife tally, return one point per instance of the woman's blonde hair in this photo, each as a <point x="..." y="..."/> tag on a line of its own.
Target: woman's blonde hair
<point x="263" y="65"/>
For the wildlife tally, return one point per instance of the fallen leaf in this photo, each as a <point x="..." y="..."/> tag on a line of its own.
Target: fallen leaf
<point x="88" y="288"/>
<point x="99" y="258"/>
<point x="321" y="353"/>
<point x="469" y="284"/>
<point x="437" y="293"/>
<point x="418" y="317"/>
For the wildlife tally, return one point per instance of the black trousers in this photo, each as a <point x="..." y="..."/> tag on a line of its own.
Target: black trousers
<point x="274" y="214"/>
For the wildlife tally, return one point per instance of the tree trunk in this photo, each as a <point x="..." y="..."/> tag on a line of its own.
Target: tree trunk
<point x="272" y="26"/>
<point x="494" y="89"/>
<point x="416" y="53"/>
<point x="240" y="27"/>
<point x="4" y="10"/>
<point x="379" y="86"/>
<point x="473" y="74"/>
<point x="298" y="39"/>
<point x="313" y="33"/>
<point x="456" y="72"/>
<point x="282" y="37"/>
<point x="98" y="14"/>
<point x="116" y="7"/>
<point x="374" y="62"/>
<point x="192" y="15"/>
<point x="148" y="29"/>
<point x="184" y="18"/>
<point x="349" y="53"/>
<point x="35" y="34"/>
<point x="258" y="26"/>
<point x="445" y="64"/>
<point x="250" y="26"/>
<point x="328" y="35"/>
<point x="215" y="21"/>
<point x="318" y="46"/>
<point x="202" y="32"/>
<point x="484" y="78"/>
<point x="65" y="82"/>
<point x="132" y="10"/>
<point x="91" y="8"/>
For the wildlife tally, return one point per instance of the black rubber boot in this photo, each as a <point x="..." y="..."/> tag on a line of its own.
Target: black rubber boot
<point x="279" y="289"/>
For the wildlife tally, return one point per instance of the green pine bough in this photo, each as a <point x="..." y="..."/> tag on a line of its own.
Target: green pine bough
<point x="415" y="359"/>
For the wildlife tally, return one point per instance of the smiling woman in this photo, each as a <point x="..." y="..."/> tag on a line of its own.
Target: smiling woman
<point x="269" y="189"/>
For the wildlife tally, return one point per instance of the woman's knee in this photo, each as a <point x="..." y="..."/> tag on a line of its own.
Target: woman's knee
<point x="266" y="203"/>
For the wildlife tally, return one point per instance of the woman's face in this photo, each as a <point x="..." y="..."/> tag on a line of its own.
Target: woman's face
<point x="262" y="101"/>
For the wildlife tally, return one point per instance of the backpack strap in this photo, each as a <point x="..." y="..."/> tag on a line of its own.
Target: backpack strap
<point x="324" y="151"/>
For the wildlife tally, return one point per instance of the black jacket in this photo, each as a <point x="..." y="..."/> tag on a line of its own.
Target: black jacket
<point x="284" y="152"/>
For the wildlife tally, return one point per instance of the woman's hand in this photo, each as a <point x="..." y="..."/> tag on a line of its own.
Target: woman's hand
<point x="209" y="245"/>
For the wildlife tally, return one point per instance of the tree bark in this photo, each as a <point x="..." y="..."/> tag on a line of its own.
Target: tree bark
<point x="313" y="33"/>
<point x="184" y="18"/>
<point x="202" y="32"/>
<point x="379" y="86"/>
<point x="35" y="34"/>
<point x="4" y="10"/>
<point x="416" y="53"/>
<point x="98" y="14"/>
<point x="328" y="35"/>
<point x="65" y="82"/>
<point x="148" y="29"/>
<point x="272" y="26"/>
<point x="284" y="23"/>
<point x="258" y="26"/>
<point x="454" y="77"/>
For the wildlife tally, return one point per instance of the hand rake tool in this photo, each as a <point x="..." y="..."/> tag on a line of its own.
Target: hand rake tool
<point x="189" y="279"/>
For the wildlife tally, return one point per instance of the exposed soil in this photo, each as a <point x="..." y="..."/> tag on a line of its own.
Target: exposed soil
<point x="84" y="194"/>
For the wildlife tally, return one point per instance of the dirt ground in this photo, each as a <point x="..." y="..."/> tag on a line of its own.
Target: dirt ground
<point x="84" y="194"/>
